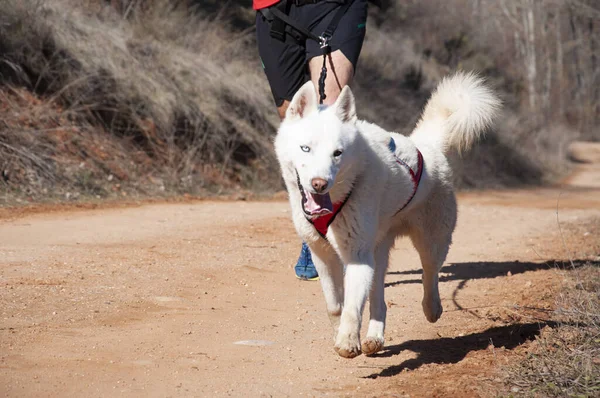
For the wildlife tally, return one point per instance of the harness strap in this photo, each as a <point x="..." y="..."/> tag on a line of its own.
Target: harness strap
<point x="322" y="223"/>
<point x="336" y="20"/>
<point x="269" y="12"/>
<point x="276" y="12"/>
<point x="415" y="177"/>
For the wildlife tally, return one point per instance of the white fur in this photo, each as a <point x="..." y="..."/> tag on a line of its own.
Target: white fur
<point x="464" y="106"/>
<point x="352" y="261"/>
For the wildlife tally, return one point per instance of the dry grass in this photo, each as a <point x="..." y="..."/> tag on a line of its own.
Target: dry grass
<point x="43" y="149"/>
<point x="181" y="89"/>
<point x="564" y="361"/>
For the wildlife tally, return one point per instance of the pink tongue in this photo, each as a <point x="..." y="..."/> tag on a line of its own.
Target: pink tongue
<point x="318" y="204"/>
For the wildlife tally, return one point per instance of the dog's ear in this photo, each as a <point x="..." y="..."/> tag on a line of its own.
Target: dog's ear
<point x="345" y="108"/>
<point x="303" y="103"/>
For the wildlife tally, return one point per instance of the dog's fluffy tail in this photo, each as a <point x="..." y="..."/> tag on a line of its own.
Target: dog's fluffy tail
<point x="459" y="111"/>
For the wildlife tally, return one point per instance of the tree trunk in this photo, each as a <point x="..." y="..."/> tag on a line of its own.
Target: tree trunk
<point x="528" y="16"/>
<point x="559" y="64"/>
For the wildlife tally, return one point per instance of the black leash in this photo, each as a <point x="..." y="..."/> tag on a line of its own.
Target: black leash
<point x="322" y="78"/>
<point x="323" y="40"/>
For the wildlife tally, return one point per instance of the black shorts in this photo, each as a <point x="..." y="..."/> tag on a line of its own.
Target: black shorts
<point x="286" y="62"/>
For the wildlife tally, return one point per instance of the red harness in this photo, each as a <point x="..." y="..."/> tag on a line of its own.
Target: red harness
<point x="323" y="222"/>
<point x="415" y="177"/>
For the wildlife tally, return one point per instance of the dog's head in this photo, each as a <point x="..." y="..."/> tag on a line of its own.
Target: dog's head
<point x="314" y="145"/>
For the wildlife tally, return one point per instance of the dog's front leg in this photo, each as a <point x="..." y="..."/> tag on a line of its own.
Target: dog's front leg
<point x="357" y="284"/>
<point x="375" y="339"/>
<point x="331" y="275"/>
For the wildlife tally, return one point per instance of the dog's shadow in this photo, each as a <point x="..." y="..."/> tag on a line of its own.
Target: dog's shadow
<point x="449" y="350"/>
<point x="488" y="269"/>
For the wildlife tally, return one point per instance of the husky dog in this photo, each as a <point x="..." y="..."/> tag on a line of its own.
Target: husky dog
<point x="354" y="187"/>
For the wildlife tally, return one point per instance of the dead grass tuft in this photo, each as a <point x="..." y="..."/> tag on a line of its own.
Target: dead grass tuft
<point x="564" y="360"/>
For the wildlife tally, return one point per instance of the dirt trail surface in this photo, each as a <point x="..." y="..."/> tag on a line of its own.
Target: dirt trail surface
<point x="151" y="300"/>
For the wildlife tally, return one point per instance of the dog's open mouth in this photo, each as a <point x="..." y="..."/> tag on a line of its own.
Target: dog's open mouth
<point x="316" y="205"/>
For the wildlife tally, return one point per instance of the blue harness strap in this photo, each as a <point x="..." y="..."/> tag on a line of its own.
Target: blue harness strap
<point x="392" y="145"/>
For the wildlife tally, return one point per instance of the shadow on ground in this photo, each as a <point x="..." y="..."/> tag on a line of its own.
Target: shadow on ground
<point x="452" y="350"/>
<point x="489" y="269"/>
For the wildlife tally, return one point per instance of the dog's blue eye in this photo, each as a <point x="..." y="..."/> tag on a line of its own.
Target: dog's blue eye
<point x="305" y="148"/>
<point x="337" y="153"/>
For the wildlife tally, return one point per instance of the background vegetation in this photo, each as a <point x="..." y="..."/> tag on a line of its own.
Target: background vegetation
<point x="145" y="98"/>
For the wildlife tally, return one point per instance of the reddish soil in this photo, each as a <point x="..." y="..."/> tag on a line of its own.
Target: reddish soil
<point x="150" y="300"/>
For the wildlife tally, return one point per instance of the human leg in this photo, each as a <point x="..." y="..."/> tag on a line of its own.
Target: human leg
<point x="339" y="74"/>
<point x="345" y="46"/>
<point x="284" y="63"/>
<point x="305" y="267"/>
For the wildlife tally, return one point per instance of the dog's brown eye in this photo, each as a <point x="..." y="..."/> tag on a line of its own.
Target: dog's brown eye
<point x="337" y="153"/>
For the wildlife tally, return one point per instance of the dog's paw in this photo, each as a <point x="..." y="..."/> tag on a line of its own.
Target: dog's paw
<point x="347" y="352"/>
<point x="347" y="347"/>
<point x="371" y="345"/>
<point x="432" y="309"/>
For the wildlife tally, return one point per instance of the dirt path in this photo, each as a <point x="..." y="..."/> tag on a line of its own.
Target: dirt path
<point x="150" y="301"/>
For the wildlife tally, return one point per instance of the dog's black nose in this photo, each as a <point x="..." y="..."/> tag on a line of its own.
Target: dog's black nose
<point x="319" y="184"/>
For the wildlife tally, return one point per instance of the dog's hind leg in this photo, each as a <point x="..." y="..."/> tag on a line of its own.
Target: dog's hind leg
<point x="377" y="309"/>
<point x="432" y="246"/>
<point x="331" y="275"/>
<point x="431" y="234"/>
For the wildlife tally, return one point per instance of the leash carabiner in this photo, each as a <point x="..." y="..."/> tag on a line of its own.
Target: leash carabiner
<point x="324" y="42"/>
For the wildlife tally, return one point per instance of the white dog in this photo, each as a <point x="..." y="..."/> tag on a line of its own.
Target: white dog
<point x="354" y="188"/>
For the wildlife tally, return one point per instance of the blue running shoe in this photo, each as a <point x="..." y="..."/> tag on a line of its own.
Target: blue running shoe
<point x="305" y="269"/>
